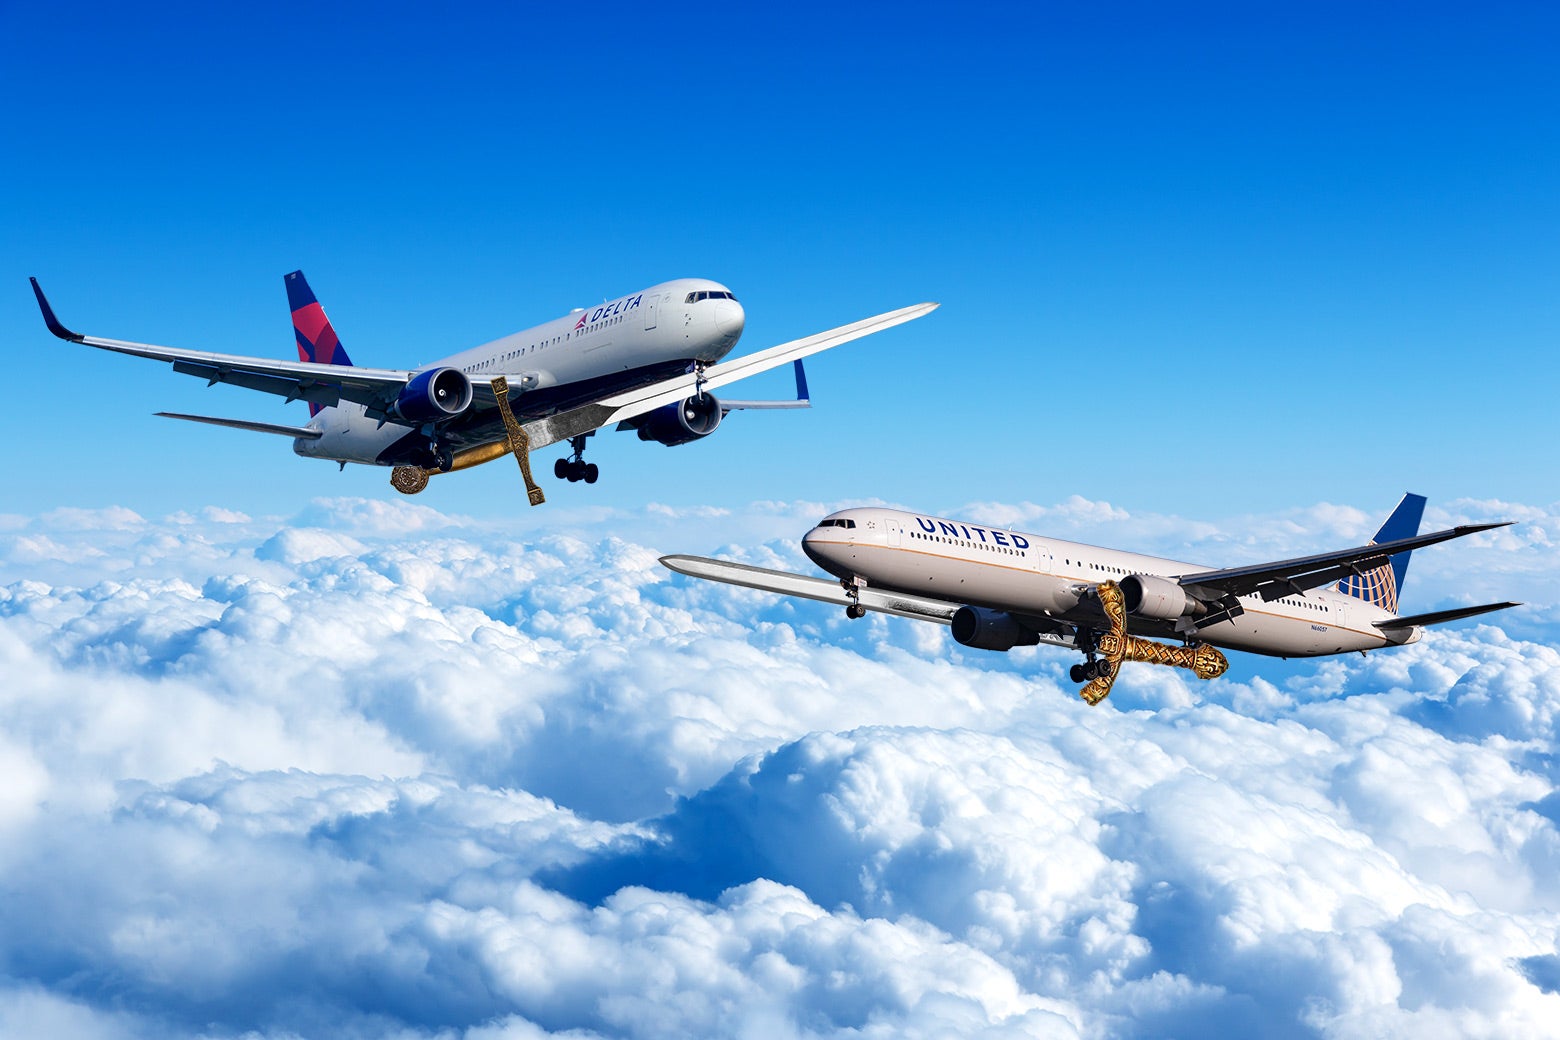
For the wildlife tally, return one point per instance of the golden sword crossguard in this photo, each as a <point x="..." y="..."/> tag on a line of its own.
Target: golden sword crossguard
<point x="519" y="442"/>
<point x="1116" y="646"/>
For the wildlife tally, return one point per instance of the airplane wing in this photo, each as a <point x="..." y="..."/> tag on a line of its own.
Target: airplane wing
<point x="788" y="584"/>
<point x="917" y="608"/>
<point x="634" y="403"/>
<point x="1292" y="577"/>
<point x="324" y="385"/>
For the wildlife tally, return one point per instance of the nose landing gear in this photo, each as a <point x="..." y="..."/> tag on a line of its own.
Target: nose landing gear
<point x="852" y="586"/>
<point x="575" y="468"/>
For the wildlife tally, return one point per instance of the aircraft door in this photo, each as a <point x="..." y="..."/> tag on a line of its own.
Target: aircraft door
<point x="1040" y="558"/>
<point x="652" y="305"/>
<point x="892" y="528"/>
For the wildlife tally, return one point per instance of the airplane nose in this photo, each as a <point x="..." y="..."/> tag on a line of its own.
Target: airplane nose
<point x="810" y="547"/>
<point x="729" y="317"/>
<point x="826" y="549"/>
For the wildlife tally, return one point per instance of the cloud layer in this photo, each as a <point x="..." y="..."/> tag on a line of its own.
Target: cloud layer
<point x="372" y="770"/>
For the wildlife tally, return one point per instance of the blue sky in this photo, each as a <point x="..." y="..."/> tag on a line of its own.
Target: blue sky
<point x="286" y="754"/>
<point x="1305" y="253"/>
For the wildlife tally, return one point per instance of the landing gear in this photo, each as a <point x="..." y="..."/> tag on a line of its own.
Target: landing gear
<point x="1092" y="667"/>
<point x="1088" y="671"/>
<point x="853" y="609"/>
<point x="438" y="455"/>
<point x="575" y="468"/>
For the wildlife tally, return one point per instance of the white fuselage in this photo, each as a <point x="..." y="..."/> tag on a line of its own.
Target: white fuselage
<point x="687" y="319"/>
<point x="992" y="567"/>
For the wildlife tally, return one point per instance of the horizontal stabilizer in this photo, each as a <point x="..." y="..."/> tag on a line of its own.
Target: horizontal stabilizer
<point x="244" y="424"/>
<point x="1441" y="617"/>
<point x="820" y="589"/>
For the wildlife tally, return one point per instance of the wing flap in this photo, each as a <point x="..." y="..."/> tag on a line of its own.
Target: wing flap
<point x="919" y="608"/>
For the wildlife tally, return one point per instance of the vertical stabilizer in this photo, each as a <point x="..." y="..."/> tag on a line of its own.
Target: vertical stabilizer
<point x="1381" y="585"/>
<point x="317" y="341"/>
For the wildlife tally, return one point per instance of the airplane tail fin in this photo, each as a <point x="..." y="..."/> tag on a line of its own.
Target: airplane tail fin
<point x="1380" y="585"/>
<point x="316" y="337"/>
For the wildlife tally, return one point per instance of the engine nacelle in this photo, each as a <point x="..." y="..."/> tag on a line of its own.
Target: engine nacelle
<point x="990" y="629"/>
<point x="1148" y="596"/>
<point x="687" y="420"/>
<point x="438" y="393"/>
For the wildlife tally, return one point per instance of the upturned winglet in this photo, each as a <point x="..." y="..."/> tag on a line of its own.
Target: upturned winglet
<point x="50" y="320"/>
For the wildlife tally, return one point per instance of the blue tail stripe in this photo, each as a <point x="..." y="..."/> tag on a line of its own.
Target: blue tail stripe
<point x="1403" y="523"/>
<point x="298" y="292"/>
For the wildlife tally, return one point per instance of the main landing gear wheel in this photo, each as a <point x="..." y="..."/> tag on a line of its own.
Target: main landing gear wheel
<point x="855" y="611"/>
<point x="575" y="468"/>
<point x="1088" y="671"/>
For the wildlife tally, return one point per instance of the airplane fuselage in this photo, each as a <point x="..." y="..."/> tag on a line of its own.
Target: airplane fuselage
<point x="621" y="344"/>
<point x="999" y="569"/>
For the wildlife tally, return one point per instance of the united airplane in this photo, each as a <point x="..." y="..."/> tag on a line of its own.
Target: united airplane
<point x="999" y="589"/>
<point x="645" y="362"/>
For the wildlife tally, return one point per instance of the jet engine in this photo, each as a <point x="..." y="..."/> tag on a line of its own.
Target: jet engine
<point x="990" y="629"/>
<point x="1148" y="596"/>
<point x="438" y="393"/>
<point x="687" y="420"/>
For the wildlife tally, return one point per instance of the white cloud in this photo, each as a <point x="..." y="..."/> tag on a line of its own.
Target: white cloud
<point x="376" y="772"/>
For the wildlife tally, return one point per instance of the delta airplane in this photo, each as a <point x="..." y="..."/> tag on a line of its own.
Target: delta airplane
<point x="999" y="589"/>
<point x="646" y="361"/>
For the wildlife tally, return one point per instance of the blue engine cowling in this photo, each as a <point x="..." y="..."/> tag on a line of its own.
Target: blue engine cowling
<point x="687" y="420"/>
<point x="438" y="393"/>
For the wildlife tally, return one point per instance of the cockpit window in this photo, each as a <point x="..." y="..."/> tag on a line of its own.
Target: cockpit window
<point x="837" y="523"/>
<point x="709" y="294"/>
